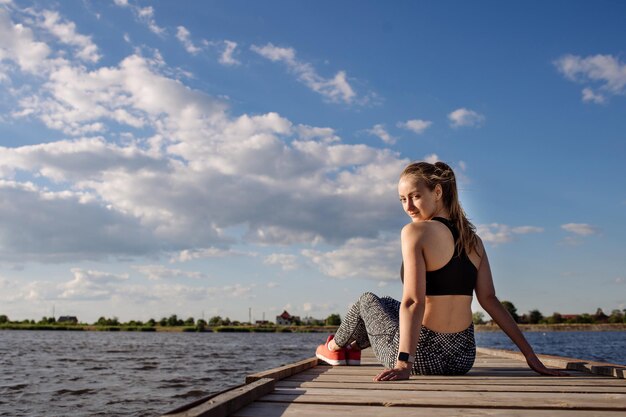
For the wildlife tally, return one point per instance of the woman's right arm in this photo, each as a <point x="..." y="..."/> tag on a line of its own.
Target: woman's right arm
<point x="486" y="295"/>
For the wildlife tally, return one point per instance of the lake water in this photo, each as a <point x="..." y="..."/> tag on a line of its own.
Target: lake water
<point x="146" y="374"/>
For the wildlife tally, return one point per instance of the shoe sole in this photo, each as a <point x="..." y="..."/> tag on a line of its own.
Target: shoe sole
<point x="354" y="362"/>
<point x="333" y="362"/>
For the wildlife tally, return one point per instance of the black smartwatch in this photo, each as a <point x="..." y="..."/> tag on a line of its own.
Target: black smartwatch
<point x="405" y="357"/>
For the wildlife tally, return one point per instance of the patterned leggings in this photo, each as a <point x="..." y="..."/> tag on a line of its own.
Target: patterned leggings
<point x="375" y="322"/>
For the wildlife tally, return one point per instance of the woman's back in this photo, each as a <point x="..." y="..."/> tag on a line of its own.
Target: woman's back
<point x="450" y="310"/>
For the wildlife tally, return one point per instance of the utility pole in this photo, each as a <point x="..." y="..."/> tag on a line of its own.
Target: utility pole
<point x="250" y="315"/>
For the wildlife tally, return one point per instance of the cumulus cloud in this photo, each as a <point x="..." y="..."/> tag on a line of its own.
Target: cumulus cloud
<point x="159" y="272"/>
<point x="379" y="130"/>
<point x="77" y="101"/>
<point x="144" y="15"/>
<point x="463" y="117"/>
<point x="178" y="189"/>
<point x="91" y="285"/>
<point x="227" y="58"/>
<point x="18" y="44"/>
<point x="377" y="259"/>
<point x="183" y="35"/>
<point x="590" y="95"/>
<point x="191" y="254"/>
<point x="495" y="233"/>
<point x="43" y="226"/>
<point x="336" y="89"/>
<point x="605" y="71"/>
<point x="432" y="158"/>
<point x="286" y="261"/>
<point x="417" y="126"/>
<point x="66" y="33"/>
<point x="580" y="229"/>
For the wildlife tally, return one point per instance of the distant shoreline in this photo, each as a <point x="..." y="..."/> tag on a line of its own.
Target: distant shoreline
<point x="569" y="327"/>
<point x="293" y="329"/>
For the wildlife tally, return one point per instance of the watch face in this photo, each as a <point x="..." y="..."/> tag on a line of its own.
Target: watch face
<point x="403" y="356"/>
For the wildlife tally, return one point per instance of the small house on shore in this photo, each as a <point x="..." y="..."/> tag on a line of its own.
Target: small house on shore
<point x="286" y="319"/>
<point x="68" y="320"/>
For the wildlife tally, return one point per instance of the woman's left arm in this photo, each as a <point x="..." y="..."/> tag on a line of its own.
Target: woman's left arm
<point x="413" y="299"/>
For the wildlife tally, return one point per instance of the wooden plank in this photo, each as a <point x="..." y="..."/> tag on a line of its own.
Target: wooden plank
<point x="283" y="371"/>
<point x="336" y="410"/>
<point x="551" y="388"/>
<point x="227" y="402"/>
<point x="475" y="375"/>
<point x="574" y="378"/>
<point x="599" y="368"/>
<point x="386" y="397"/>
<point x="587" y="380"/>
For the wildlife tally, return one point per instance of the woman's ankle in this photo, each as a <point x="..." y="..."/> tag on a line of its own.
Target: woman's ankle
<point x="332" y="345"/>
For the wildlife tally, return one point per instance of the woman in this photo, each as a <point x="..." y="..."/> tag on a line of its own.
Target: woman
<point x="430" y="331"/>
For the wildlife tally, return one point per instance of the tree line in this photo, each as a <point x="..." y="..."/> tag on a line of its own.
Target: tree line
<point x="171" y="321"/>
<point x="536" y="317"/>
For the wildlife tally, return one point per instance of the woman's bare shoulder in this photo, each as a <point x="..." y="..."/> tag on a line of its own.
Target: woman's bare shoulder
<point x="416" y="230"/>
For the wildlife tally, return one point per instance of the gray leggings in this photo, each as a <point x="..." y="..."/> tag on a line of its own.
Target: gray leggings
<point x="375" y="322"/>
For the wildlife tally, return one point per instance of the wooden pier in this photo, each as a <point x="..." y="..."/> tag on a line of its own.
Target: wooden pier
<point x="499" y="384"/>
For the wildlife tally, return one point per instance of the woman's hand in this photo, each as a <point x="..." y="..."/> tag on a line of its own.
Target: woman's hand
<point x="401" y="371"/>
<point x="536" y="365"/>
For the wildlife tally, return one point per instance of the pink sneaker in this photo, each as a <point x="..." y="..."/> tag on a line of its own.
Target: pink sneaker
<point x="331" y="357"/>
<point x="353" y="356"/>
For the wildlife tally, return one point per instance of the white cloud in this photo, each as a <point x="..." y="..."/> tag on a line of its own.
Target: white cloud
<point x="76" y="101"/>
<point x="500" y="233"/>
<point x="43" y="226"/>
<point x="146" y="15"/>
<point x="159" y="272"/>
<point x="605" y="71"/>
<point x="379" y="130"/>
<point x="524" y="230"/>
<point x="177" y="190"/>
<point x="91" y="285"/>
<point x="66" y="33"/>
<point x="463" y="117"/>
<point x="286" y="261"/>
<point x="417" y="126"/>
<point x="362" y="258"/>
<point x="590" y="95"/>
<point x="276" y="53"/>
<point x="581" y="229"/>
<point x="432" y="158"/>
<point x="239" y="291"/>
<point x="183" y="35"/>
<point x="226" y="58"/>
<point x="17" y="44"/>
<point x="191" y="254"/>
<point x="335" y="89"/>
<point x="318" y="309"/>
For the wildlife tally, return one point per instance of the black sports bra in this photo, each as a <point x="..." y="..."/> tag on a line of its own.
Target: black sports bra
<point x="457" y="277"/>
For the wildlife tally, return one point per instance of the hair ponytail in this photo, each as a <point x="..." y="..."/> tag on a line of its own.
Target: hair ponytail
<point x="441" y="173"/>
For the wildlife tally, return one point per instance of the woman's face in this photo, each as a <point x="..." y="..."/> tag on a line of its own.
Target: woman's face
<point x="417" y="200"/>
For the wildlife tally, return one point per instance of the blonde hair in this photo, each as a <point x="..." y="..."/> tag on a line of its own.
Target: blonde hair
<point x="441" y="173"/>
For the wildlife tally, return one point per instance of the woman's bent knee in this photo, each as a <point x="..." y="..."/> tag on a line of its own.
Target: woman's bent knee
<point x="368" y="297"/>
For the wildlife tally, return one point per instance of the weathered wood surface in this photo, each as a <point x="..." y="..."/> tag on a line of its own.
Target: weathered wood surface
<point x="227" y="402"/>
<point x="283" y="371"/>
<point x="499" y="384"/>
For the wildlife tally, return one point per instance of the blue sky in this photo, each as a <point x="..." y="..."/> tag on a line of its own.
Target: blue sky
<point x="215" y="157"/>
